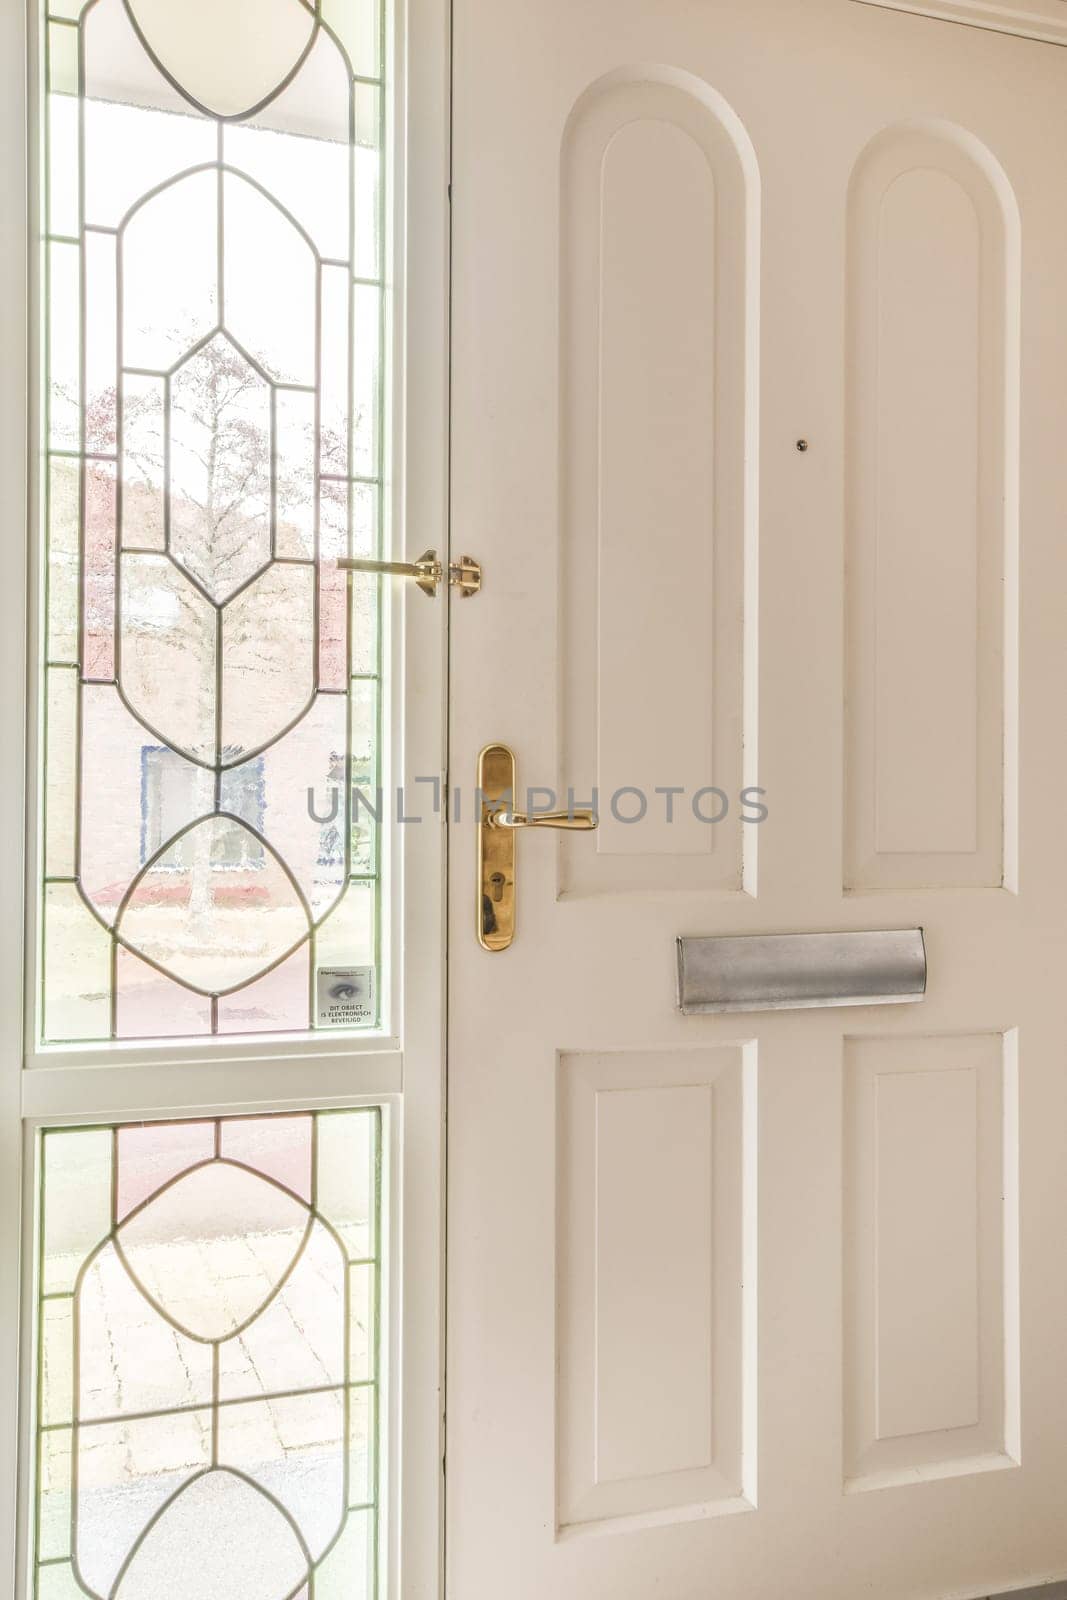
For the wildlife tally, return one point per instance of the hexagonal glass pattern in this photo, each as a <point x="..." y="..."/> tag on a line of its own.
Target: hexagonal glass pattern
<point x="214" y="221"/>
<point x="209" y="1328"/>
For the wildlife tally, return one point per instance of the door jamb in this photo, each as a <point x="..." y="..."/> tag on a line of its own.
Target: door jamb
<point x="16" y="394"/>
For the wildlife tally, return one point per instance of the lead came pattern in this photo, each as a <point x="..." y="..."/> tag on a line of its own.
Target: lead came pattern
<point x="213" y="346"/>
<point x="208" y="1337"/>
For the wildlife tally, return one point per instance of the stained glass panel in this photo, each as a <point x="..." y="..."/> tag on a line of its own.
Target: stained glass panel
<point x="208" y="1335"/>
<point x="214" y="338"/>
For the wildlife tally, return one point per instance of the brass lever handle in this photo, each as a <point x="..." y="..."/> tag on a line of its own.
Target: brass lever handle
<point x="427" y="572"/>
<point x="571" y="821"/>
<point x="498" y="824"/>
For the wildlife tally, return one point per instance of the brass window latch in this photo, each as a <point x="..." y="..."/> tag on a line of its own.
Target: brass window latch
<point x="427" y="572"/>
<point x="498" y="824"/>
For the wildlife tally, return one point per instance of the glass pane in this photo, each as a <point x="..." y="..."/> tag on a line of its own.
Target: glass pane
<point x="57" y="1357"/>
<point x="259" y="230"/>
<point x="365" y="776"/>
<point x="348" y="1573"/>
<point x="292" y="170"/>
<point x="78" y="1210"/>
<point x="345" y="958"/>
<point x="215" y="910"/>
<point x="334" y="355"/>
<point x="75" y="968"/>
<point x="214" y="343"/>
<point x="367" y="183"/>
<point x="134" y="148"/>
<point x="53" y="1533"/>
<point x="362" y="1304"/>
<point x="65" y="8"/>
<point x="191" y="1549"/>
<point x="294" y="1448"/>
<point x="348" y="1178"/>
<point x="169" y="254"/>
<point x="295" y="479"/>
<point x="205" y="49"/>
<point x="98" y="572"/>
<point x="366" y="340"/>
<point x="62" y="67"/>
<point x="268" y="659"/>
<point x="304" y="821"/>
<point x="361" y="1445"/>
<point x="211" y="1249"/>
<point x="136" y="805"/>
<point x="64" y="347"/>
<point x="149" y="1157"/>
<point x="357" y="27"/>
<point x="275" y="1003"/>
<point x="277" y="1146"/>
<point x="101" y="344"/>
<point x="168" y="642"/>
<point x="152" y="1367"/>
<point x="59" y="1583"/>
<point x="144" y="462"/>
<point x="61" y="724"/>
<point x="161" y="1455"/>
<point x="265" y="1358"/>
<point x="147" y="1002"/>
<point x="208" y="1419"/>
<point x="64" y="493"/>
<point x="220" y="480"/>
<point x="63" y="162"/>
<point x="316" y="101"/>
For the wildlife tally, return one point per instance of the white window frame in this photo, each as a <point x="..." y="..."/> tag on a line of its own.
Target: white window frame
<point x="402" y="1069"/>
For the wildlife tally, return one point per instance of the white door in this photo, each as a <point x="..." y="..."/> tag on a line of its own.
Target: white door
<point x="223" y="328"/>
<point x="758" y="357"/>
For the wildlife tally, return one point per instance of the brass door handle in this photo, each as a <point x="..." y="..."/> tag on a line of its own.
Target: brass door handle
<point x="571" y="821"/>
<point x="498" y="824"/>
<point x="427" y="572"/>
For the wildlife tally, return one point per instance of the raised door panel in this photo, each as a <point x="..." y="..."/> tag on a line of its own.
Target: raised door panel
<point x="932" y="497"/>
<point x="655" y="1250"/>
<point x="931" y="1292"/>
<point x="659" y="254"/>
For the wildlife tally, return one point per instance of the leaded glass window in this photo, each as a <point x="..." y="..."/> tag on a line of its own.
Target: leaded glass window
<point x="209" y="1301"/>
<point x="213" y="267"/>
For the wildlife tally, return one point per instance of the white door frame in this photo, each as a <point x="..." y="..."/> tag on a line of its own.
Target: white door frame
<point x="403" y="1069"/>
<point x="14" y="456"/>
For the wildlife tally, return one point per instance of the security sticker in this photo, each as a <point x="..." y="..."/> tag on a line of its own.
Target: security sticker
<point x="345" y="997"/>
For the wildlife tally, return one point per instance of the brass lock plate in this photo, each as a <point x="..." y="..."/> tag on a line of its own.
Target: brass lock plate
<point x="496" y="849"/>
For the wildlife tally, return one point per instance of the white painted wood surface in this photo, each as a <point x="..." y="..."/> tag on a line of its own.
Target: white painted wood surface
<point x="1043" y="20"/>
<point x="829" y="1239"/>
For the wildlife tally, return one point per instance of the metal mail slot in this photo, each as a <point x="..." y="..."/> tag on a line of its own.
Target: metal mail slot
<point x="784" y="971"/>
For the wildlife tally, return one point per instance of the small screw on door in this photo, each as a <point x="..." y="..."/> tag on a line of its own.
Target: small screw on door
<point x="802" y="445"/>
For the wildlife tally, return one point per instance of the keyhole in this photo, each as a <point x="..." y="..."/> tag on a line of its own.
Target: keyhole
<point x="496" y="883"/>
